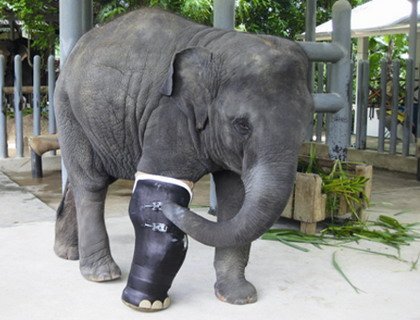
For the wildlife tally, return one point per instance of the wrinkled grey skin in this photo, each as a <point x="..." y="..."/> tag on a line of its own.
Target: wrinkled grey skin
<point x="153" y="92"/>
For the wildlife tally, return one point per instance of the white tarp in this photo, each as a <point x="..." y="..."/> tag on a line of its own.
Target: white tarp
<point x="375" y="17"/>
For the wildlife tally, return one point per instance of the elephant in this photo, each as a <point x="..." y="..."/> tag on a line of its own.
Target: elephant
<point x="155" y="93"/>
<point x="21" y="46"/>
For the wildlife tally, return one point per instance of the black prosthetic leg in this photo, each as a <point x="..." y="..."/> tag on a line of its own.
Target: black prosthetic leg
<point x="160" y="246"/>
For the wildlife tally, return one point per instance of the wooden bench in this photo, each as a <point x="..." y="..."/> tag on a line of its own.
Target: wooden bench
<point x="40" y="145"/>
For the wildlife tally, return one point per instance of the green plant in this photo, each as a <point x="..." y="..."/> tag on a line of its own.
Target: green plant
<point x="385" y="230"/>
<point x="337" y="183"/>
<point x="38" y="19"/>
<point x="387" y="48"/>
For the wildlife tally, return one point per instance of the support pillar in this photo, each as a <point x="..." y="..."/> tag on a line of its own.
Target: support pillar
<point x="412" y="54"/>
<point x="362" y="54"/>
<point x="76" y="17"/>
<point x="362" y="48"/>
<point x="412" y="38"/>
<point x="310" y="25"/>
<point x="340" y="80"/>
<point x="87" y="15"/>
<point x="223" y="18"/>
<point x="224" y="14"/>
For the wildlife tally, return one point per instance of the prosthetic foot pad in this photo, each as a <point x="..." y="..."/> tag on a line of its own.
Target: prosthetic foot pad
<point x="160" y="246"/>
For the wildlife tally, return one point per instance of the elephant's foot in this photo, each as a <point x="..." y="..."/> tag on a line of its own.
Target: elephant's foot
<point x="139" y="301"/>
<point x="101" y="269"/>
<point x="236" y="292"/>
<point x="65" y="251"/>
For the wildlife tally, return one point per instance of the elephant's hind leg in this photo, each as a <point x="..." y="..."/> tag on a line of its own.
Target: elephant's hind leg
<point x="66" y="238"/>
<point x="89" y="183"/>
<point x="96" y="262"/>
<point x="231" y="285"/>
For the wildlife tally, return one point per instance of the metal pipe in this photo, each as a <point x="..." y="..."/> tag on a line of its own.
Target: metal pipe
<point x="72" y="14"/>
<point x="52" y="127"/>
<point x="408" y="110"/>
<point x="36" y="165"/>
<point x="412" y="38"/>
<point x="71" y="26"/>
<point x="359" y="102"/>
<point x="310" y="20"/>
<point x="328" y="116"/>
<point x="18" y="106"/>
<point x="418" y="136"/>
<point x="3" y="115"/>
<point x="340" y="80"/>
<point x="328" y="102"/>
<point x="395" y="96"/>
<point x="37" y="96"/>
<point x="36" y="160"/>
<point x="365" y="101"/>
<point x="381" y="133"/>
<point x="322" y="51"/>
<point x="223" y="18"/>
<point x="320" y="89"/>
<point x="224" y="14"/>
<point x="350" y="106"/>
<point x="417" y="122"/>
<point x="87" y="15"/>
<point x="310" y="24"/>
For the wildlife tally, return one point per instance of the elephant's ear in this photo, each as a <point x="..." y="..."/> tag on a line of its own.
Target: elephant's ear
<point x="190" y="77"/>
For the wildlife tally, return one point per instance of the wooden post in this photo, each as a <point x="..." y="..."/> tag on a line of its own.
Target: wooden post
<point x="342" y="206"/>
<point x="367" y="172"/>
<point x="288" y="211"/>
<point x="309" y="205"/>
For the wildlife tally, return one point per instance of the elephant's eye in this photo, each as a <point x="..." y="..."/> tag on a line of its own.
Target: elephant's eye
<point x="242" y="126"/>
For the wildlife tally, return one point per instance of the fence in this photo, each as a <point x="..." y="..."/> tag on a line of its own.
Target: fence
<point x="384" y="108"/>
<point x="394" y="105"/>
<point x="18" y="100"/>
<point x="390" y="100"/>
<point x="397" y="115"/>
<point x="336" y="100"/>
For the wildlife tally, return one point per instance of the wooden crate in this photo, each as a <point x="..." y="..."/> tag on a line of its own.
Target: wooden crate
<point x="307" y="203"/>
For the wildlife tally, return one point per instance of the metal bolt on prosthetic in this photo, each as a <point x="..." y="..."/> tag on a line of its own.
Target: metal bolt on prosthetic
<point x="160" y="246"/>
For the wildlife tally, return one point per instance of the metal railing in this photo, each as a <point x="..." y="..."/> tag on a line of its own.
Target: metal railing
<point x="386" y="107"/>
<point x="332" y="97"/>
<point x="336" y="100"/>
<point x="14" y="101"/>
<point x="397" y="114"/>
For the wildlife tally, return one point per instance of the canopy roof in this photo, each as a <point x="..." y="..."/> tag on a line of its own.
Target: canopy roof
<point x="376" y="17"/>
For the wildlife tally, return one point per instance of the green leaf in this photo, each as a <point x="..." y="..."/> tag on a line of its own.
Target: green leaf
<point x="290" y="244"/>
<point x="414" y="263"/>
<point x="340" y="271"/>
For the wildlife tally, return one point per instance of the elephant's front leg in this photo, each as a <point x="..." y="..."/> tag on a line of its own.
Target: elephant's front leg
<point x="231" y="285"/>
<point x="160" y="246"/>
<point x="96" y="262"/>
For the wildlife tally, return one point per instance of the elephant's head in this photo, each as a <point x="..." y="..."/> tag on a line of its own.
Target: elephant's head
<point x="250" y="106"/>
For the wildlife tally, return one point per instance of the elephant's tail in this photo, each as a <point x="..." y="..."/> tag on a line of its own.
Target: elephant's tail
<point x="67" y="205"/>
<point x="66" y="231"/>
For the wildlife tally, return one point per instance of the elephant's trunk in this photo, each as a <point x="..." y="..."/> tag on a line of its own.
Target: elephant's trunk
<point x="267" y="190"/>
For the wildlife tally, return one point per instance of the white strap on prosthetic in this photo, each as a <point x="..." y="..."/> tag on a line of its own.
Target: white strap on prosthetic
<point x="187" y="185"/>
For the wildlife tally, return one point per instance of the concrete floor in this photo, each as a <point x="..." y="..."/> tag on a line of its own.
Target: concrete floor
<point x="292" y="284"/>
